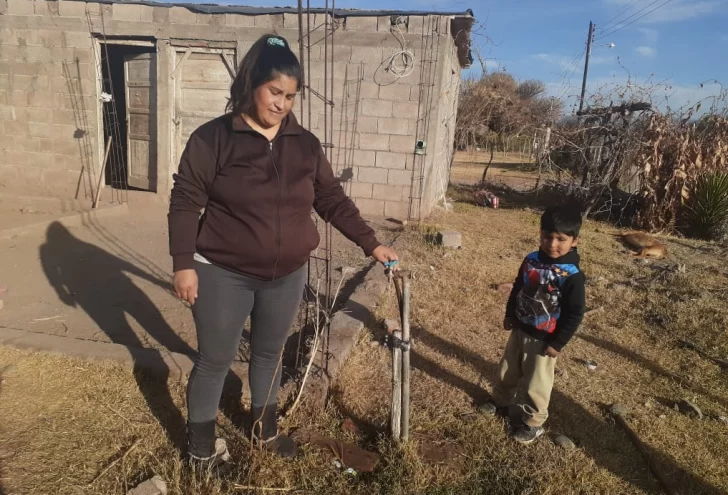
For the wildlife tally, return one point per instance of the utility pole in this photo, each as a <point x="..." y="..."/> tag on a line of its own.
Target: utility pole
<point x="586" y="65"/>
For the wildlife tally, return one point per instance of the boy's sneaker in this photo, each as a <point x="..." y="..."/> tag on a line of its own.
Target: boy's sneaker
<point x="218" y="463"/>
<point x="527" y="434"/>
<point x="489" y="408"/>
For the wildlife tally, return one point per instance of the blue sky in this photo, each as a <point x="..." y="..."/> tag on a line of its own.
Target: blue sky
<point x="670" y="51"/>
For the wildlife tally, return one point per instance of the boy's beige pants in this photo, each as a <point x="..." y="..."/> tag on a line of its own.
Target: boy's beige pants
<point x="524" y="358"/>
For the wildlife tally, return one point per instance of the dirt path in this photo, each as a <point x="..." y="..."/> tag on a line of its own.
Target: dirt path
<point x="109" y="280"/>
<point x="513" y="170"/>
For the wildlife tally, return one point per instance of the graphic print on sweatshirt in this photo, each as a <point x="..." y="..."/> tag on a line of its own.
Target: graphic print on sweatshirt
<point x="538" y="304"/>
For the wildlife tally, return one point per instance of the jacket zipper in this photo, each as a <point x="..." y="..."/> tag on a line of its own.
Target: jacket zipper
<point x="278" y="212"/>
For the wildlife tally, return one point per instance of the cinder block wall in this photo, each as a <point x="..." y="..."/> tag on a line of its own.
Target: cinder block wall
<point x="49" y="96"/>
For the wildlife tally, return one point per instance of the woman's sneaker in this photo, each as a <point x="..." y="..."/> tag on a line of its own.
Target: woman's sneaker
<point x="218" y="463"/>
<point x="265" y="433"/>
<point x="527" y="434"/>
<point x="280" y="444"/>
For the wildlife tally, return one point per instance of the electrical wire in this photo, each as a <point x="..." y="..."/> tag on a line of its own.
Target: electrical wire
<point x="629" y="7"/>
<point x="402" y="63"/>
<point x="622" y="26"/>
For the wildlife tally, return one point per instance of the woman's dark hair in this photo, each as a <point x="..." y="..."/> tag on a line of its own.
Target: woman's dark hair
<point x="268" y="58"/>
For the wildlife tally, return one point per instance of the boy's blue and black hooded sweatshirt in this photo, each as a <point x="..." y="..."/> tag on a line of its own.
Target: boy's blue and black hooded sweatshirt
<point x="547" y="298"/>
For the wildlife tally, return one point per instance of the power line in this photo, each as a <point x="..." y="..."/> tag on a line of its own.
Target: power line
<point x="623" y="11"/>
<point x="622" y="26"/>
<point x="571" y="69"/>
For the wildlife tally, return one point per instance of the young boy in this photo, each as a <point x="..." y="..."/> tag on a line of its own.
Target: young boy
<point x="544" y="310"/>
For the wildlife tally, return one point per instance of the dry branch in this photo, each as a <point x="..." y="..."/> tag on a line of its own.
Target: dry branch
<point x="116" y="461"/>
<point x="263" y="489"/>
<point x="689" y="345"/>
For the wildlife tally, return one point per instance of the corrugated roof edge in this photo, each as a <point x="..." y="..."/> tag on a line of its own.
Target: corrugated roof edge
<point x="205" y="8"/>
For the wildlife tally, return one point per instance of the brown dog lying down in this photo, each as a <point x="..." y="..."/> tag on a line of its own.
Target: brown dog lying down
<point x="643" y="245"/>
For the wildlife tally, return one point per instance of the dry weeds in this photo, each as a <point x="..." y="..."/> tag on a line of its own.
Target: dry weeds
<point x="64" y="421"/>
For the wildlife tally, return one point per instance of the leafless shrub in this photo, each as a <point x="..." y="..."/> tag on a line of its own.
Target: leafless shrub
<point x="496" y="106"/>
<point x="633" y="151"/>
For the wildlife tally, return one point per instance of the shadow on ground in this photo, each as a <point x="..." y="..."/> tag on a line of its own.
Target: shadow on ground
<point x="646" y="363"/>
<point x="86" y="276"/>
<point x="509" y="199"/>
<point x="591" y="433"/>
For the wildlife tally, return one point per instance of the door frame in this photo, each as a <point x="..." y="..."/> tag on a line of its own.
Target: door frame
<point x="97" y="40"/>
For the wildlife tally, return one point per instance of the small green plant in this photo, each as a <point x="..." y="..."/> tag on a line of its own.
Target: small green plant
<point x="708" y="208"/>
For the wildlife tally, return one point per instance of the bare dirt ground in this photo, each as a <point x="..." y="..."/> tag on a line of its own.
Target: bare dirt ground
<point x="18" y="211"/>
<point x="515" y="170"/>
<point x="106" y="280"/>
<point x="109" y="280"/>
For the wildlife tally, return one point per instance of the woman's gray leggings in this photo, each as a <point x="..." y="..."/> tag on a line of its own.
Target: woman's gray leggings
<point x="225" y="300"/>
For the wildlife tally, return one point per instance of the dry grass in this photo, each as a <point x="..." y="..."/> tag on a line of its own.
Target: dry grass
<point x="457" y="320"/>
<point x="63" y="420"/>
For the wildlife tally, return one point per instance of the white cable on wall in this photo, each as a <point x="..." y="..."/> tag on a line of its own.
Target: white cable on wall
<point x="402" y="63"/>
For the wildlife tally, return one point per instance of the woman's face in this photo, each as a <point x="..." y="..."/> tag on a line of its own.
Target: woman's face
<point x="274" y="99"/>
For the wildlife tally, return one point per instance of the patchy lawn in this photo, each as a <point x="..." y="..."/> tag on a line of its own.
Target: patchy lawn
<point x="634" y="340"/>
<point x="64" y="421"/>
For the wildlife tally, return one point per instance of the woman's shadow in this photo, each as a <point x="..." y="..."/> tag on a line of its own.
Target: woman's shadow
<point x="98" y="282"/>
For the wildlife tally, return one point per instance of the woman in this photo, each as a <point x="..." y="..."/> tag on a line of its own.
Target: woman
<point x="257" y="173"/>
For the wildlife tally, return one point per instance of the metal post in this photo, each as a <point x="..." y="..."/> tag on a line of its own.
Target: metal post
<point x="304" y="73"/>
<point x="405" y="356"/>
<point x="101" y="174"/>
<point x="586" y="64"/>
<point x="396" y="414"/>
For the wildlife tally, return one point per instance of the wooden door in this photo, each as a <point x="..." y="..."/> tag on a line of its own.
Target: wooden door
<point x="141" y="120"/>
<point x="202" y="86"/>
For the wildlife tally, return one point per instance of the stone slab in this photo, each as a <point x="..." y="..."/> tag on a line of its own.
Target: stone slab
<point x="450" y="239"/>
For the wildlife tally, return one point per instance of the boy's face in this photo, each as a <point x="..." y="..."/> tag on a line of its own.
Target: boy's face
<point x="556" y="244"/>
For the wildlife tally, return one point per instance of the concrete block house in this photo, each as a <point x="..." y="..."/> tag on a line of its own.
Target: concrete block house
<point x="382" y="93"/>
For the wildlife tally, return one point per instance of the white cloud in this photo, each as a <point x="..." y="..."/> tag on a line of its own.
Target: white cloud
<point x="674" y="11"/>
<point x="492" y="65"/>
<point x="646" y="51"/>
<point x="649" y="35"/>
<point x="569" y="64"/>
<point x="681" y="11"/>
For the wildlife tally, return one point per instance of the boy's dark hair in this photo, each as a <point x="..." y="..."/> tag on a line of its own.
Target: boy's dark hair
<point x="268" y="58"/>
<point x="563" y="219"/>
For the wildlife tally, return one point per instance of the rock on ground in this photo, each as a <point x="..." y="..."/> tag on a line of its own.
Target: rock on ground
<point x="688" y="408"/>
<point x="449" y="239"/>
<point x="153" y="486"/>
<point x="564" y="442"/>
